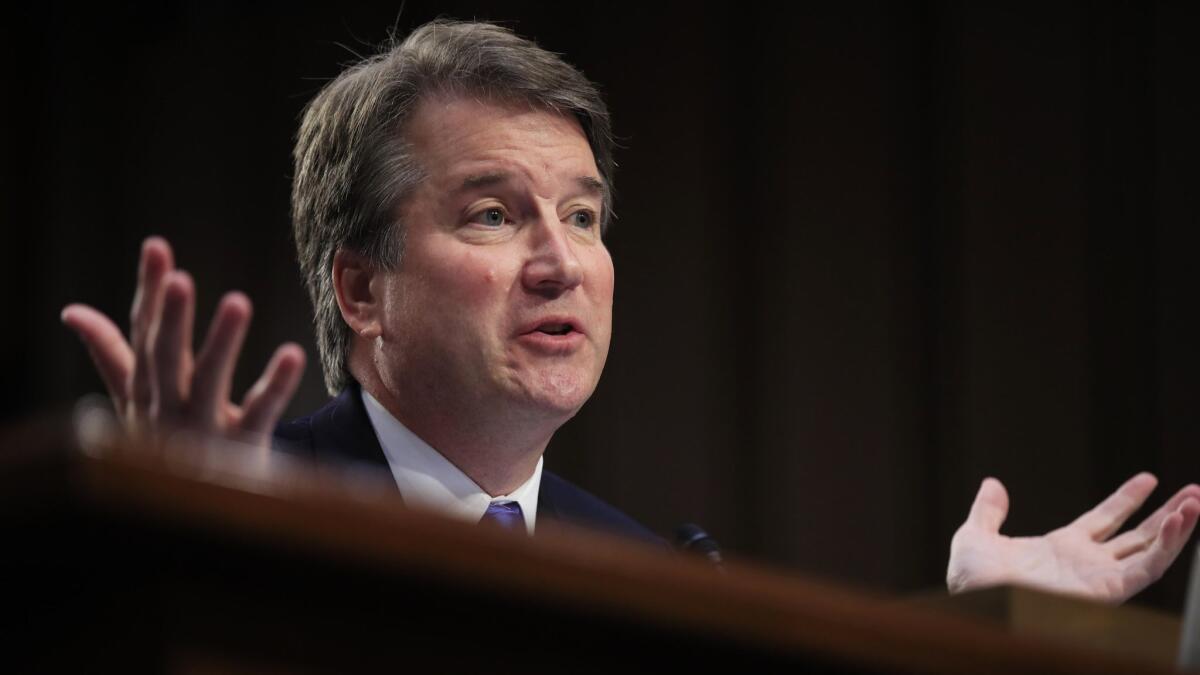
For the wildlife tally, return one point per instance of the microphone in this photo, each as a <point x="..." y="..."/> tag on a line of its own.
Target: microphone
<point x="693" y="539"/>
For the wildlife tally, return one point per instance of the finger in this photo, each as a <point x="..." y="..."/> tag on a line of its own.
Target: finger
<point x="172" y="346"/>
<point x="217" y="360"/>
<point x="1143" y="535"/>
<point x="1143" y="569"/>
<point x="265" y="401"/>
<point x="990" y="507"/>
<point x="1109" y="515"/>
<point x="157" y="261"/>
<point x="1152" y="524"/>
<point x="107" y="347"/>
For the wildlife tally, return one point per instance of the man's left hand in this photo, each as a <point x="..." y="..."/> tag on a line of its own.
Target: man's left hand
<point x="1083" y="558"/>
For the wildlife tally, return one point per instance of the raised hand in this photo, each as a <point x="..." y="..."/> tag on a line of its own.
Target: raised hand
<point x="1083" y="558"/>
<point x="156" y="383"/>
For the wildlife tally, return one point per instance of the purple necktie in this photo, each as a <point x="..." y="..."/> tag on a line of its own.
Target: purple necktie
<point x="505" y="515"/>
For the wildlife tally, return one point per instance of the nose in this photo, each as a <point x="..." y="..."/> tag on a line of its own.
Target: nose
<point x="552" y="267"/>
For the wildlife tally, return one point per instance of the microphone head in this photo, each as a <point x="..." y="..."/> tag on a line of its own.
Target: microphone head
<point x="692" y="537"/>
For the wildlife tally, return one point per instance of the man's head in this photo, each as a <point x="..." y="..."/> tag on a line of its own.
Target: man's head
<point x="356" y="167"/>
<point x="497" y="322"/>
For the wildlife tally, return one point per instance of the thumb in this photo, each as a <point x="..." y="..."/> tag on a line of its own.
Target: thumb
<point x="990" y="507"/>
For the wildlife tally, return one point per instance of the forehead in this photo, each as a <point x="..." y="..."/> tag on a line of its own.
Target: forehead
<point x="455" y="137"/>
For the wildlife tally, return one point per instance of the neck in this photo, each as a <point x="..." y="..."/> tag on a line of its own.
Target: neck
<point x="497" y="451"/>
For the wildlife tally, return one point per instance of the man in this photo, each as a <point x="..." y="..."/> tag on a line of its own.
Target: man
<point x="449" y="199"/>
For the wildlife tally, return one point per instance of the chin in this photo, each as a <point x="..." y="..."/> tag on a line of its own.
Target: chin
<point x="564" y="393"/>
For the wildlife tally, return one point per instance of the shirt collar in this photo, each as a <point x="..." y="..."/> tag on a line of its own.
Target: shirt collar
<point x="430" y="481"/>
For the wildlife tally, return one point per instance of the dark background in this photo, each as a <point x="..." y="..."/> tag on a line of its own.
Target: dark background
<point x="867" y="253"/>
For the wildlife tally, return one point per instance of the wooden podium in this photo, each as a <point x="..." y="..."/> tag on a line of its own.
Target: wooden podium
<point x="187" y="560"/>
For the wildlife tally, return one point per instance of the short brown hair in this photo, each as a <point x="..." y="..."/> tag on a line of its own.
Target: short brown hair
<point x="353" y="166"/>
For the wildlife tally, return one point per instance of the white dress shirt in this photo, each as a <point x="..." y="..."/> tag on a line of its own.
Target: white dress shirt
<point x="429" y="481"/>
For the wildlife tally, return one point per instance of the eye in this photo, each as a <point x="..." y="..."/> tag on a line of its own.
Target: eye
<point x="583" y="219"/>
<point x="491" y="217"/>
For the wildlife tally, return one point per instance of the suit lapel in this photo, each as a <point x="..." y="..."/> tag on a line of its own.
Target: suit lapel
<point x="342" y="431"/>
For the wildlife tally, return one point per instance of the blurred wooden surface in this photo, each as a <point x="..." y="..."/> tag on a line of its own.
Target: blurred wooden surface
<point x="192" y="560"/>
<point x="1134" y="632"/>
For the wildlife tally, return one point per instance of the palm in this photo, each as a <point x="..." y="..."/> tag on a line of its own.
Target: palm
<point x="1083" y="558"/>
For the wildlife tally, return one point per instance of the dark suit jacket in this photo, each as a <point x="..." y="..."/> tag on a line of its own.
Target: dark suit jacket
<point x="341" y="432"/>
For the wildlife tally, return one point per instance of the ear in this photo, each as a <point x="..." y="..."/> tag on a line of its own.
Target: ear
<point x="356" y="294"/>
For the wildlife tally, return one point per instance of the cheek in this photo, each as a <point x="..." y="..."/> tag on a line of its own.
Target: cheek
<point x="601" y="282"/>
<point x="468" y="279"/>
<point x="602" y="276"/>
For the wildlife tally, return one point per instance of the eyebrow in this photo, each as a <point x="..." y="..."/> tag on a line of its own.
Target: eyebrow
<point x="484" y="180"/>
<point x="593" y="186"/>
<point x="589" y="184"/>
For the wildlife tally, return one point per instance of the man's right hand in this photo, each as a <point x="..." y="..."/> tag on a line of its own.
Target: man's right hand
<point x="157" y="385"/>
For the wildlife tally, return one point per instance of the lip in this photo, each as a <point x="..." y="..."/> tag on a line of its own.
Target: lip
<point x="545" y="343"/>
<point x="532" y="326"/>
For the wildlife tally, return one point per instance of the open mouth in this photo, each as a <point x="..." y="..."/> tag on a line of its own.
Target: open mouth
<point x="553" y="335"/>
<point x="555" y="328"/>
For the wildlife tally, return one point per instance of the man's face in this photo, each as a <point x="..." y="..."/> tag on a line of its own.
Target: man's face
<point x="503" y="299"/>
